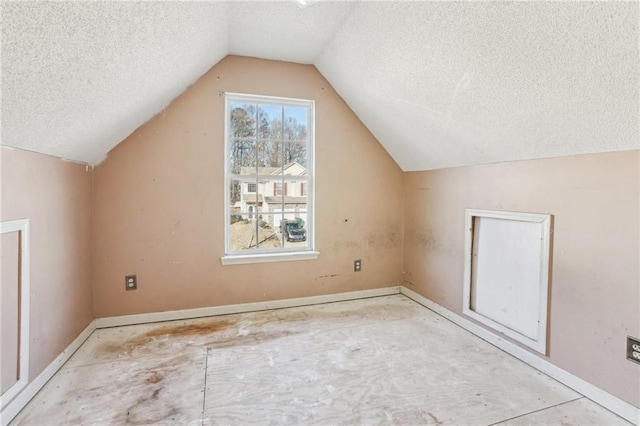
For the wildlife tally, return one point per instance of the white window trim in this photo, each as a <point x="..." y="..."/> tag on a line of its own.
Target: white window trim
<point x="540" y="343"/>
<point x="240" y="259"/>
<point x="286" y="253"/>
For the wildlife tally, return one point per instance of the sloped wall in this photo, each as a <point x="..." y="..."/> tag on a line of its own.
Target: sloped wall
<point x="595" y="282"/>
<point x="56" y="198"/>
<point x="159" y="203"/>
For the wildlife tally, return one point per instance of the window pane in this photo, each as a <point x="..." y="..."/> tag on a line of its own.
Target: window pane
<point x="235" y="190"/>
<point x="295" y="152"/>
<point x="275" y="192"/>
<point x="242" y="157"/>
<point x="242" y="120"/>
<point x="270" y="122"/>
<point x="242" y="233"/>
<point x="293" y="227"/>
<point x="295" y="123"/>
<point x="271" y="156"/>
<point x="258" y="232"/>
<point x="297" y="190"/>
<point x="241" y="200"/>
<point x="268" y="232"/>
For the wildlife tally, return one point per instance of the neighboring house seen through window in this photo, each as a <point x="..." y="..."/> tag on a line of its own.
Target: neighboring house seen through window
<point x="269" y="174"/>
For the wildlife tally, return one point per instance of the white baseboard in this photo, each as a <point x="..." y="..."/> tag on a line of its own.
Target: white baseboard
<point x="610" y="402"/>
<point x="597" y="395"/>
<point x="243" y="307"/>
<point x="22" y="399"/>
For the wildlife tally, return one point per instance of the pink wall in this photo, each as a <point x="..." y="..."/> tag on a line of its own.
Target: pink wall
<point x="56" y="197"/>
<point x="595" y="285"/>
<point x="159" y="203"/>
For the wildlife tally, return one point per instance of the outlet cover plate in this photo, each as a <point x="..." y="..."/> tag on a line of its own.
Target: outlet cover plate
<point x="130" y="282"/>
<point x="633" y="349"/>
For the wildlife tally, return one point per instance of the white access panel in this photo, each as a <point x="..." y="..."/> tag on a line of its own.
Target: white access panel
<point x="506" y="273"/>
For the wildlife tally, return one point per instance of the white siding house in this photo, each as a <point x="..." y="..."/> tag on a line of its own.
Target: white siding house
<point x="275" y="193"/>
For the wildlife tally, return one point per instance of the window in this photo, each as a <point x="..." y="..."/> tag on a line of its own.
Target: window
<point x="269" y="151"/>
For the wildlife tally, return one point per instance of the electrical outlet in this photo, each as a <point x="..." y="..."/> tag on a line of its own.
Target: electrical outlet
<point x="357" y="265"/>
<point x="131" y="282"/>
<point x="633" y="349"/>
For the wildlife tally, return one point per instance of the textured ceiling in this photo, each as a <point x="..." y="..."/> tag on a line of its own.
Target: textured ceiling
<point x="79" y="77"/>
<point x="440" y="84"/>
<point x="444" y="84"/>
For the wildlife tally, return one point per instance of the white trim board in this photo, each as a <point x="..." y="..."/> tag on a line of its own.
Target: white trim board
<point x="243" y="307"/>
<point x="22" y="227"/>
<point x="597" y="395"/>
<point x="610" y="402"/>
<point x="23" y="398"/>
<point x="515" y="273"/>
<point x="269" y="257"/>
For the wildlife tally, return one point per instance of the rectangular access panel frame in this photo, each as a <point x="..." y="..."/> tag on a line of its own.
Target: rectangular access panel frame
<point x="506" y="273"/>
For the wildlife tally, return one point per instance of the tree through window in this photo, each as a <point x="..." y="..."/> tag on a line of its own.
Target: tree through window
<point x="269" y="168"/>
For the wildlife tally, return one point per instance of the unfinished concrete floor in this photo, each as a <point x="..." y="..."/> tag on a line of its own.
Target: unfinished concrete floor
<point x="384" y="360"/>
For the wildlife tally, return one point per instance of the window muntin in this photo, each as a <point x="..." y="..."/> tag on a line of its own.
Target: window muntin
<point x="269" y="172"/>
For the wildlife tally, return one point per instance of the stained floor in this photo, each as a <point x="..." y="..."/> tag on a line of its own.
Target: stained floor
<point x="384" y="360"/>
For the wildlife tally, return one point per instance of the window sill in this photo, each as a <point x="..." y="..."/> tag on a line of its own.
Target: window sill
<point x="271" y="257"/>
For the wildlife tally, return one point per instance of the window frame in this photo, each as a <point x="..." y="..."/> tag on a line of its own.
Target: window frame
<point x="281" y="253"/>
<point x="277" y="190"/>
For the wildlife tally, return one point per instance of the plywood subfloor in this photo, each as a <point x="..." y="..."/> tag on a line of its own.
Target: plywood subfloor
<point x="384" y="360"/>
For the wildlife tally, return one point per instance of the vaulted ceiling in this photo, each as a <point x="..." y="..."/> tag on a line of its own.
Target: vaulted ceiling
<point x="439" y="84"/>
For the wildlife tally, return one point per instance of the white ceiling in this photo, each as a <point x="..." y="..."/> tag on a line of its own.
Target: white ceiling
<point x="440" y="84"/>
